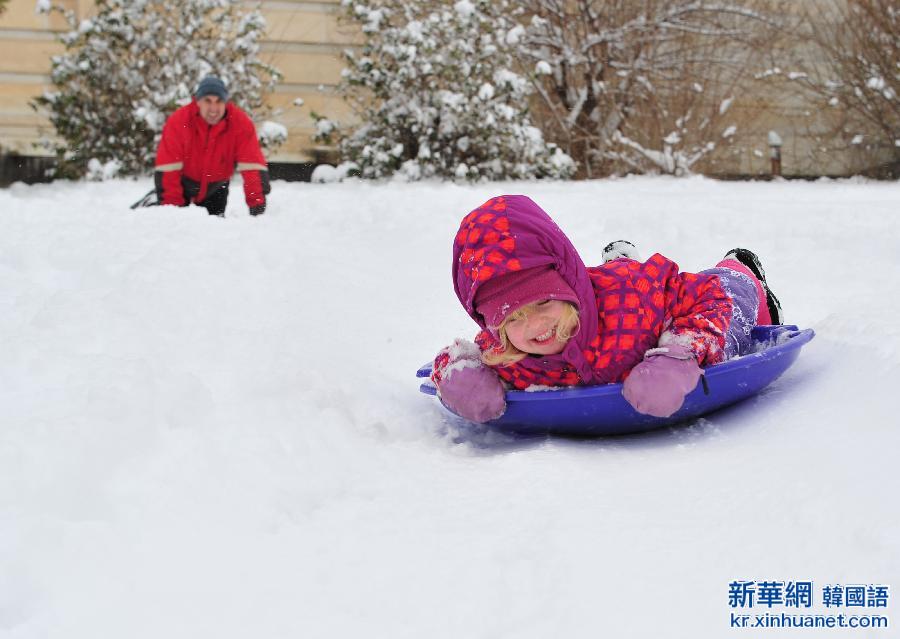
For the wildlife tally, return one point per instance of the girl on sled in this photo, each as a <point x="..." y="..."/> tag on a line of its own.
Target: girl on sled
<point x="549" y="321"/>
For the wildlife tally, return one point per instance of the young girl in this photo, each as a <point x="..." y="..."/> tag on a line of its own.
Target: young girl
<point x="547" y="320"/>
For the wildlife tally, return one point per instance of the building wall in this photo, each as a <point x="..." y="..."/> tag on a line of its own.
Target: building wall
<point x="27" y="41"/>
<point x="304" y="40"/>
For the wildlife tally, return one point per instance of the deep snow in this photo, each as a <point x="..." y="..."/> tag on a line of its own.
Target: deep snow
<point x="211" y="428"/>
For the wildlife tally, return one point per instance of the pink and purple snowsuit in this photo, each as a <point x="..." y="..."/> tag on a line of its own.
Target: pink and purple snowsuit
<point x="625" y="307"/>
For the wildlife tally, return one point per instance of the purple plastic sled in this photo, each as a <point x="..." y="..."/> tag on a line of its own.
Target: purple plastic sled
<point x="602" y="410"/>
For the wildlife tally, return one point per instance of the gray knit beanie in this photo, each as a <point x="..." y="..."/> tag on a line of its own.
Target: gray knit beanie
<point x="211" y="85"/>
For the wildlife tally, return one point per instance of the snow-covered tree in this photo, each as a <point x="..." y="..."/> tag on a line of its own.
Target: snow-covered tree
<point x="132" y="63"/>
<point x="849" y="66"/>
<point x="643" y="86"/>
<point x="437" y="93"/>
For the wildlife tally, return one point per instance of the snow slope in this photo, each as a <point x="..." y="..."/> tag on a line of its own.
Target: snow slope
<point x="211" y="428"/>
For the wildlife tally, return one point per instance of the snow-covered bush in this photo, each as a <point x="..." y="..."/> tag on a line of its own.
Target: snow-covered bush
<point x="644" y="86"/>
<point x="126" y="68"/>
<point x="99" y="171"/>
<point x="271" y="134"/>
<point x="325" y="173"/>
<point x="437" y="92"/>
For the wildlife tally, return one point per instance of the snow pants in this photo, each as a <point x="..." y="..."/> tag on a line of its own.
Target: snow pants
<point x="215" y="202"/>
<point x="216" y="195"/>
<point x="743" y="292"/>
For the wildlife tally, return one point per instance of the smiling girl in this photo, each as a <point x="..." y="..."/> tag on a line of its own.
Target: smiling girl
<point x="547" y="320"/>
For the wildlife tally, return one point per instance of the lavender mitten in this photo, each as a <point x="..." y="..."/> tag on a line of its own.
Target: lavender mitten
<point x="473" y="391"/>
<point x="657" y="386"/>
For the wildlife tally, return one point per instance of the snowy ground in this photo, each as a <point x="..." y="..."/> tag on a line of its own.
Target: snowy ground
<point x="211" y="428"/>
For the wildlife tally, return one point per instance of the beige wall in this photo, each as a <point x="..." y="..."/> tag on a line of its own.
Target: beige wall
<point x="303" y="40"/>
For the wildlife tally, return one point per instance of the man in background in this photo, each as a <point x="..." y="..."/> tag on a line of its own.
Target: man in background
<point x="201" y="146"/>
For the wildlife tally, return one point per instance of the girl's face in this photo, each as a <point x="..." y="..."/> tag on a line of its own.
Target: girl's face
<point x="534" y="332"/>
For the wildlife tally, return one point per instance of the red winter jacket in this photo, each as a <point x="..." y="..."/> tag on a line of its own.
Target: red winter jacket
<point x="194" y="158"/>
<point x="639" y="306"/>
<point x="625" y="307"/>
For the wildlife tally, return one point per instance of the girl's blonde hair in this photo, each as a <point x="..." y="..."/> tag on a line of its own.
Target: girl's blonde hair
<point x="506" y="353"/>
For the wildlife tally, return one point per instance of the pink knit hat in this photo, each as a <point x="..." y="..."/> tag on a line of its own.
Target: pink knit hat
<point x="500" y="296"/>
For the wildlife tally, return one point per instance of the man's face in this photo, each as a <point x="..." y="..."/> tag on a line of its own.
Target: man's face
<point x="212" y="109"/>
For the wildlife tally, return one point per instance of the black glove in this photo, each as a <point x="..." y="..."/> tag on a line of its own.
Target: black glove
<point x="258" y="210"/>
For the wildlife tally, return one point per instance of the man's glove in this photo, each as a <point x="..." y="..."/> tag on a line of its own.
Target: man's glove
<point x="259" y="209"/>
<point x="658" y="385"/>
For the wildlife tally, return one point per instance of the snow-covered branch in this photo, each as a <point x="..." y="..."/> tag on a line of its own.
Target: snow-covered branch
<point x="853" y="76"/>
<point x="636" y="70"/>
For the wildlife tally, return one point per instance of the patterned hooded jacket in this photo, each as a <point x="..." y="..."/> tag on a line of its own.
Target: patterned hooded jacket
<point x="625" y="307"/>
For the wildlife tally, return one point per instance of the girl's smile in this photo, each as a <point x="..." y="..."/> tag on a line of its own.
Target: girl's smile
<point x="536" y="331"/>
